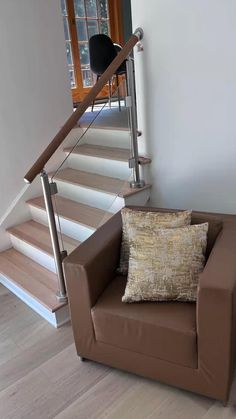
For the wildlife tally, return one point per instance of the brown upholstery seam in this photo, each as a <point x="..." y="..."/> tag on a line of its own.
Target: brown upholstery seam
<point x="153" y="324"/>
<point x="148" y="356"/>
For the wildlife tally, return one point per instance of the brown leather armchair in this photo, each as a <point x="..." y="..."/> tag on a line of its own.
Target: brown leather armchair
<point x="188" y="345"/>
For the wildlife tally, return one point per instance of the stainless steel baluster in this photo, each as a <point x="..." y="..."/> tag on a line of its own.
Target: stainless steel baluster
<point x="137" y="182"/>
<point x="48" y="190"/>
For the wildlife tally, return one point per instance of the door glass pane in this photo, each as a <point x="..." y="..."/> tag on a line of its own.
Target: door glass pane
<point x="92" y="27"/>
<point x="81" y="30"/>
<point x="72" y="78"/>
<point x="91" y="8"/>
<point x="91" y="18"/>
<point x="84" y="54"/>
<point x="103" y="6"/>
<point x="87" y="78"/>
<point x="79" y="8"/>
<point x="66" y="28"/>
<point x="63" y="7"/>
<point x="104" y="27"/>
<point x="68" y="53"/>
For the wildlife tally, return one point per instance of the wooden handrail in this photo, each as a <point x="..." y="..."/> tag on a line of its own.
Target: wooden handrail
<point x="72" y="120"/>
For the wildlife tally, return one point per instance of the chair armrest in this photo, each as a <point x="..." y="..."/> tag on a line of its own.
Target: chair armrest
<point x="94" y="262"/>
<point x="216" y="310"/>
<point x="87" y="271"/>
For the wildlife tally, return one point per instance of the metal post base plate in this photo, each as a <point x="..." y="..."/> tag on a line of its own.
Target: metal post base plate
<point x="135" y="185"/>
<point x="61" y="298"/>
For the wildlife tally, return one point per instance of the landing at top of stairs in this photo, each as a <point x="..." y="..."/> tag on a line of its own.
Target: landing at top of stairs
<point x="106" y="118"/>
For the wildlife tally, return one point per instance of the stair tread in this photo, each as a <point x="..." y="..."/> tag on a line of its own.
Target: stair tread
<point x="101" y="183"/>
<point x="38" y="235"/>
<point x="101" y="127"/>
<point x="31" y="277"/>
<point x="111" y="153"/>
<point x="74" y="211"/>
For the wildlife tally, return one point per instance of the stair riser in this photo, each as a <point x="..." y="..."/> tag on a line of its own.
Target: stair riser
<point x="105" y="167"/>
<point x="109" y="138"/>
<point x="117" y="204"/>
<point x="70" y="228"/>
<point x="83" y="195"/>
<point x="34" y="253"/>
<point x="57" y="319"/>
<point x="74" y="136"/>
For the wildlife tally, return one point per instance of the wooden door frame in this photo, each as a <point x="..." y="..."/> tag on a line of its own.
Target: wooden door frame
<point x="115" y="14"/>
<point x="75" y="50"/>
<point x="116" y="28"/>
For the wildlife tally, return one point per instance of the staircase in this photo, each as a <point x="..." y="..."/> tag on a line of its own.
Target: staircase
<point x="92" y="184"/>
<point x="91" y="187"/>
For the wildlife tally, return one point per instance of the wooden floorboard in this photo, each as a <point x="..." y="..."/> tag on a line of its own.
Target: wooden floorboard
<point x="41" y="377"/>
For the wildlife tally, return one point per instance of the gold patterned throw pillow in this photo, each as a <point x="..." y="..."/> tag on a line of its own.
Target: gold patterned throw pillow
<point x="165" y="264"/>
<point x="149" y="220"/>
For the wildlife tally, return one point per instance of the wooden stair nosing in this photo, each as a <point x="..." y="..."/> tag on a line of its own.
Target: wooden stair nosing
<point x="103" y="152"/>
<point x="112" y="153"/>
<point x="102" y="127"/>
<point x="38" y="236"/>
<point x="106" y="184"/>
<point x="31" y="277"/>
<point x="82" y="214"/>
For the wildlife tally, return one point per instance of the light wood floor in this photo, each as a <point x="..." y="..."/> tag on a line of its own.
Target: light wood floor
<point x="41" y="378"/>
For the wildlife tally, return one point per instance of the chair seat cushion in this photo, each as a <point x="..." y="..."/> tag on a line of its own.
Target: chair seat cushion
<point x="164" y="330"/>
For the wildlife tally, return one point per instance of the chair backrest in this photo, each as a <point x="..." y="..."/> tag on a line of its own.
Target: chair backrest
<point x="102" y="52"/>
<point x="122" y="68"/>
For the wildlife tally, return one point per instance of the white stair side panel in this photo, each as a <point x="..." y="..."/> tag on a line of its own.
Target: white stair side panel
<point x="83" y="195"/>
<point x="106" y="137"/>
<point x="68" y="227"/>
<point x="145" y="172"/>
<point x="140" y="198"/>
<point x="57" y="319"/>
<point x="62" y="316"/>
<point x="34" y="253"/>
<point x="105" y="167"/>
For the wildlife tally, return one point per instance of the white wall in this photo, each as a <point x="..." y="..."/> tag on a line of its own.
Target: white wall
<point x="187" y="100"/>
<point x="35" y="96"/>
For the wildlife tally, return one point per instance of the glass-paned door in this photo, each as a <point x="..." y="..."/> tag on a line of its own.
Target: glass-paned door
<point x="70" y="58"/>
<point x="83" y="19"/>
<point x="91" y="17"/>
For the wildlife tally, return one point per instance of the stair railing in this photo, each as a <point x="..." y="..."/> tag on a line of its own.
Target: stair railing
<point x="50" y="188"/>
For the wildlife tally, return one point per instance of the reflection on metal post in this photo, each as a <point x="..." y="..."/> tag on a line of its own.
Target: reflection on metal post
<point x="47" y="193"/>
<point x="131" y="104"/>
